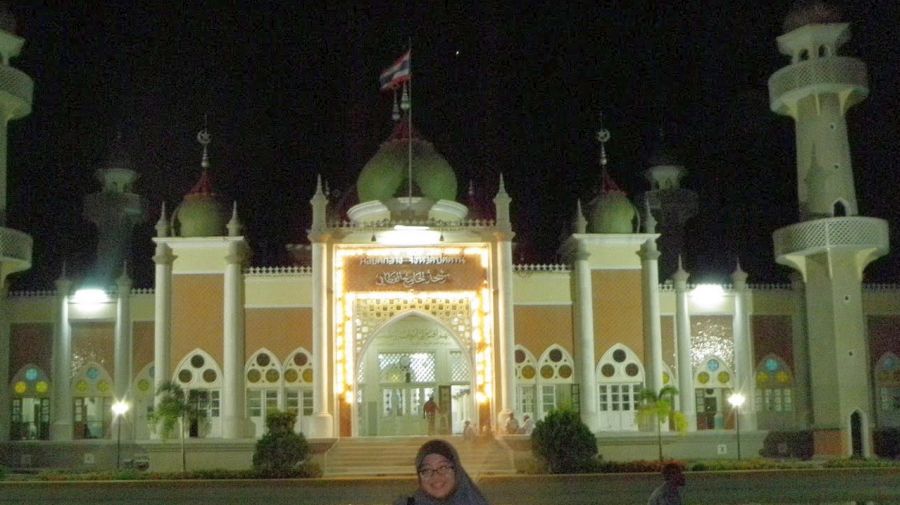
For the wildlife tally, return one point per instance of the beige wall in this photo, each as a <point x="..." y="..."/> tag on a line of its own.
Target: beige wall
<point x="197" y="316"/>
<point x="142" y="345"/>
<point x="539" y="327"/>
<point x="618" y="310"/>
<point x="279" y="330"/>
<point x="30" y="343"/>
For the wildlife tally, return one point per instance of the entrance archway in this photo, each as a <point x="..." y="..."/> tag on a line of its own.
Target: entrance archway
<point x="856" y="435"/>
<point x="404" y="364"/>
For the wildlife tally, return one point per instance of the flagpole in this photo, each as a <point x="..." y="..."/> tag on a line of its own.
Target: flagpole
<point x="410" y="132"/>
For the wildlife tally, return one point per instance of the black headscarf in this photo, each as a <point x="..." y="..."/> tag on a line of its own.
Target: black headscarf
<point x="466" y="493"/>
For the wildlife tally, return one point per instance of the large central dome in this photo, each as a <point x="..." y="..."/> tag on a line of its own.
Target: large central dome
<point x="385" y="176"/>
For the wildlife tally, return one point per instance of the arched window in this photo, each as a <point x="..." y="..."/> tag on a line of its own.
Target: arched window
<point x="555" y="381"/>
<point x="201" y="377"/>
<point x="712" y="385"/>
<point x="839" y="209"/>
<point x="92" y="397"/>
<point x="263" y="374"/>
<point x="774" y="383"/>
<point x="887" y="387"/>
<point x="144" y="395"/>
<point x="298" y="381"/>
<point x="30" y="404"/>
<point x="620" y="378"/>
<point x="526" y="380"/>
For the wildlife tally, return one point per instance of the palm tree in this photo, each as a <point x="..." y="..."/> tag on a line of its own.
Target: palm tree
<point x="657" y="407"/>
<point x="174" y="408"/>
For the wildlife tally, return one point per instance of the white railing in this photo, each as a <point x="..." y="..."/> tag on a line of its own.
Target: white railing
<point x="549" y="267"/>
<point x="17" y="83"/>
<point x="15" y="244"/>
<point x="278" y="270"/>
<point x="852" y="231"/>
<point x="840" y="72"/>
<point x="433" y="223"/>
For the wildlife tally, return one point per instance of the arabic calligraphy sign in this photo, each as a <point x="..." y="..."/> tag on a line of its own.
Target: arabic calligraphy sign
<point x="420" y="272"/>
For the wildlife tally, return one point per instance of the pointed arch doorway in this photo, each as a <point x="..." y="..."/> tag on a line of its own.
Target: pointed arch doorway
<point x="409" y="361"/>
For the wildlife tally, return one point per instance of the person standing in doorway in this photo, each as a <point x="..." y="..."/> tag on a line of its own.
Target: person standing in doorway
<point x="431" y="410"/>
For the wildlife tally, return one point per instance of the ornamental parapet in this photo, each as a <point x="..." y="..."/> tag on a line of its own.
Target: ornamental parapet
<point x="820" y="235"/>
<point x="835" y="74"/>
<point x="15" y="250"/>
<point x="17" y="84"/>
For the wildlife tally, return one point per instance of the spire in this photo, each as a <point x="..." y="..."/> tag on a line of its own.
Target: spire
<point x="649" y="220"/>
<point x="739" y="276"/>
<point x="234" y="225"/>
<point x="204" y="184"/>
<point x="501" y="207"/>
<point x="162" y="225"/>
<point x="580" y="221"/>
<point x="680" y="276"/>
<point x="319" y="204"/>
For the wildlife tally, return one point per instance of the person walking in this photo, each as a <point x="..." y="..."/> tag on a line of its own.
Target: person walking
<point x="669" y="492"/>
<point x="431" y="410"/>
<point x="442" y="479"/>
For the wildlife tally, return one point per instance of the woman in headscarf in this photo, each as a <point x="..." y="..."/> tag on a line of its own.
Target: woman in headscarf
<point x="442" y="479"/>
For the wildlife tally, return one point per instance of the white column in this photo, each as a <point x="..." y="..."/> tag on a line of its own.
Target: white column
<point x="506" y="324"/>
<point x="123" y="347"/>
<point x="5" y="378"/>
<point x="584" y="317"/>
<point x="162" y="330"/>
<point x="803" y="414"/>
<point x="235" y="423"/>
<point x="61" y="407"/>
<point x="653" y="361"/>
<point x="322" y="422"/>
<point x="743" y="350"/>
<point x="686" y="395"/>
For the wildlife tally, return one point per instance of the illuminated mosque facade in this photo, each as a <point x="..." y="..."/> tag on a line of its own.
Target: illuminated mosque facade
<point x="411" y="294"/>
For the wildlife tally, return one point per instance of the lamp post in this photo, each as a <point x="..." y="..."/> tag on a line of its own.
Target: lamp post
<point x="736" y="400"/>
<point x="119" y="408"/>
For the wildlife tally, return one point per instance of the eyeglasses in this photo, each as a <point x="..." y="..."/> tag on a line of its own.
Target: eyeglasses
<point x="427" y="473"/>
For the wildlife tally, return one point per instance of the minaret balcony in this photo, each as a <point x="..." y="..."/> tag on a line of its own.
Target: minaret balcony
<point x="15" y="250"/>
<point x="863" y="234"/>
<point x="17" y="85"/>
<point x="846" y="77"/>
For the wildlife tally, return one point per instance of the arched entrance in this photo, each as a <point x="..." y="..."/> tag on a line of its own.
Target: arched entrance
<point x="857" y="435"/>
<point x="406" y="363"/>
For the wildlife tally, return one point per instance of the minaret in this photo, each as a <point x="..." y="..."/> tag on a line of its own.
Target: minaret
<point x="16" y="90"/>
<point x="114" y="210"/>
<point x="671" y="204"/>
<point x="831" y="245"/>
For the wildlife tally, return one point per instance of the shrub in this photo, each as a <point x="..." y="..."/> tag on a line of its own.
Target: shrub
<point x="2" y="472"/>
<point x="280" y="451"/>
<point x="564" y="442"/>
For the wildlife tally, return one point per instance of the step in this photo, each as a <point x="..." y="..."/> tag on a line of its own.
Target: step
<point x="395" y="456"/>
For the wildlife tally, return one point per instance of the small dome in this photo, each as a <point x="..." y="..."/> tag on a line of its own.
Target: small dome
<point x="612" y="211"/>
<point x="385" y="175"/>
<point x="201" y="214"/>
<point x="808" y="12"/>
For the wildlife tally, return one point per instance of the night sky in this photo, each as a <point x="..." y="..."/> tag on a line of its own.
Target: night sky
<point x="290" y="90"/>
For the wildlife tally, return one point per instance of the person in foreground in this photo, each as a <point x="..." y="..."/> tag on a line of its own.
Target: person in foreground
<point x="669" y="492"/>
<point x="442" y="479"/>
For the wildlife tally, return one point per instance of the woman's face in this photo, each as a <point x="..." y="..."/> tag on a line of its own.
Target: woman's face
<point x="437" y="476"/>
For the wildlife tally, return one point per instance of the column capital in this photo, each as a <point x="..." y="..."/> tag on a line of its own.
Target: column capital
<point x="504" y="235"/>
<point x="317" y="236"/>
<point x="163" y="255"/>
<point x="238" y="252"/>
<point x="648" y="251"/>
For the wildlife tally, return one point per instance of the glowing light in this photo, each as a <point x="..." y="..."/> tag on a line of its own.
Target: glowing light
<point x="408" y="235"/>
<point x="348" y="397"/>
<point x="481" y="397"/>
<point x="736" y="400"/>
<point x="90" y="297"/>
<point x="120" y="407"/>
<point x="708" y="295"/>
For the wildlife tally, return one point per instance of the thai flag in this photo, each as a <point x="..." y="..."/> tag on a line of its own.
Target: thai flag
<point x="396" y="74"/>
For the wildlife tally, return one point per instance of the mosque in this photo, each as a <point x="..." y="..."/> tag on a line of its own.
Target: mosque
<point x="411" y="294"/>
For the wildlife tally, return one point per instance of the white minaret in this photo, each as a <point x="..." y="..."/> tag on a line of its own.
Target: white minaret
<point x="16" y="90"/>
<point x="831" y="245"/>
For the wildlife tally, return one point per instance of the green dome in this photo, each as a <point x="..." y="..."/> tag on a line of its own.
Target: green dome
<point x="613" y="212"/>
<point x="385" y="175"/>
<point x="200" y="213"/>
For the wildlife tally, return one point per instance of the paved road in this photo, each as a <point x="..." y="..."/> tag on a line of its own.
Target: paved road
<point x="780" y="487"/>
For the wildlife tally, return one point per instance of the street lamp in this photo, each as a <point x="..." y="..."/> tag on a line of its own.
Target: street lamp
<point x="119" y="408"/>
<point x="736" y="400"/>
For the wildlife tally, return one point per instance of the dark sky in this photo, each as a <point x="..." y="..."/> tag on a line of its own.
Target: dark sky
<point x="290" y="89"/>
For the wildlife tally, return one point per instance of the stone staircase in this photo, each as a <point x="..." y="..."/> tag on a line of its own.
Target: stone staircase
<point x="376" y="456"/>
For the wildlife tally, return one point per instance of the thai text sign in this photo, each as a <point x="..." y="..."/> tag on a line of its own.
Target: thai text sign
<point x="402" y="270"/>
